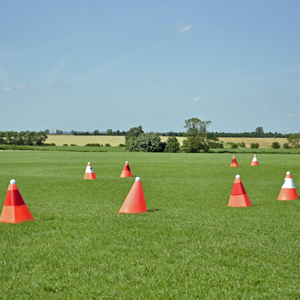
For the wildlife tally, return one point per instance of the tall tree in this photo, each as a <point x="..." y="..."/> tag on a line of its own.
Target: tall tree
<point x="197" y="136"/>
<point x="172" y="144"/>
<point x="132" y="134"/>
<point x="294" y="140"/>
<point x="109" y="132"/>
<point x="259" y="131"/>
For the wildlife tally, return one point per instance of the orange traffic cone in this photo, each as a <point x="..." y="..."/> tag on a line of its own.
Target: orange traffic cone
<point x="135" y="200"/>
<point x="238" y="197"/>
<point x="234" y="162"/>
<point x="14" y="209"/>
<point x="89" y="172"/>
<point x="288" y="190"/>
<point x="126" y="171"/>
<point x="254" y="161"/>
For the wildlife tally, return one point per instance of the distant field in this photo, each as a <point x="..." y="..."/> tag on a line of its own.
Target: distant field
<point x="114" y="141"/>
<point x="263" y="142"/>
<point x="81" y="140"/>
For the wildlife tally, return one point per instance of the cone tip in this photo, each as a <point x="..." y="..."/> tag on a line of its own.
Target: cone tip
<point x="288" y="173"/>
<point x="89" y="163"/>
<point x="237" y="176"/>
<point x="13" y="181"/>
<point x="126" y="162"/>
<point x="233" y="156"/>
<point x="137" y="179"/>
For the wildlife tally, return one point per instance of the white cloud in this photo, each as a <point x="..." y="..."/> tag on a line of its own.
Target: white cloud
<point x="196" y="99"/>
<point x="200" y="99"/>
<point x="289" y="115"/>
<point x="184" y="28"/>
<point x="263" y="90"/>
<point x="21" y="86"/>
<point x="6" y="89"/>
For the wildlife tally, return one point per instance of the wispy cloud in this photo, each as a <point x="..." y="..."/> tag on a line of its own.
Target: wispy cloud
<point x="184" y="28"/>
<point x="38" y="49"/>
<point x="6" y="89"/>
<point x="3" y="78"/>
<point x="258" y="78"/>
<point x="262" y="90"/>
<point x="21" y="86"/>
<point x="117" y="60"/>
<point x="196" y="99"/>
<point x="289" y="115"/>
<point x="59" y="68"/>
<point x="163" y="85"/>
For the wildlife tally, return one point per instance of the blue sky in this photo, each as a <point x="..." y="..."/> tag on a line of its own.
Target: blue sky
<point x="86" y="65"/>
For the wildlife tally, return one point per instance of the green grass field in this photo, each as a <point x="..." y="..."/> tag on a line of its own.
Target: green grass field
<point x="189" y="245"/>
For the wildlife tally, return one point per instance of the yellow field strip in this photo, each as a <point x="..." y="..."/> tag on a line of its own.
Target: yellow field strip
<point x="114" y="141"/>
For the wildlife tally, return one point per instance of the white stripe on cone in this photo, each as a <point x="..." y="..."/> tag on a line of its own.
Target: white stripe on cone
<point x="89" y="169"/>
<point x="288" y="184"/>
<point x="254" y="158"/>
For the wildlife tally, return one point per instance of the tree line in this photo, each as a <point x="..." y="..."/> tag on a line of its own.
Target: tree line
<point x="27" y="138"/>
<point x="198" y="139"/>
<point x="259" y="132"/>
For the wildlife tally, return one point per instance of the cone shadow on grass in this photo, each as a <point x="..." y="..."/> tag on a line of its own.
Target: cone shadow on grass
<point x="152" y="210"/>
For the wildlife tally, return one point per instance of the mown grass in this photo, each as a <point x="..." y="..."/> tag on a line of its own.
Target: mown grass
<point x="123" y="149"/>
<point x="64" y="148"/>
<point x="189" y="245"/>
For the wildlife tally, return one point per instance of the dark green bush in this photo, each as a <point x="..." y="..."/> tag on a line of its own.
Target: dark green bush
<point x="215" y="145"/>
<point x="121" y="145"/>
<point x="234" y="146"/>
<point x="275" y="145"/>
<point x="172" y="144"/>
<point x="107" y="145"/>
<point x="92" y="145"/>
<point x="254" y="145"/>
<point x="286" y="146"/>
<point x="147" y="142"/>
<point x="65" y="145"/>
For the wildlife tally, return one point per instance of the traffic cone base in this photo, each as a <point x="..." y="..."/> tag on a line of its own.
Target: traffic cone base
<point x="239" y="201"/>
<point x="89" y="172"/>
<point x="288" y="194"/>
<point x="14" y="209"/>
<point x="15" y="214"/>
<point x="126" y="172"/>
<point x="135" y="201"/>
<point x="89" y="176"/>
<point x="288" y="191"/>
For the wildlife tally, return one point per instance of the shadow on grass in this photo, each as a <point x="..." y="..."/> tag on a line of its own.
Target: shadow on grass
<point x="154" y="210"/>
